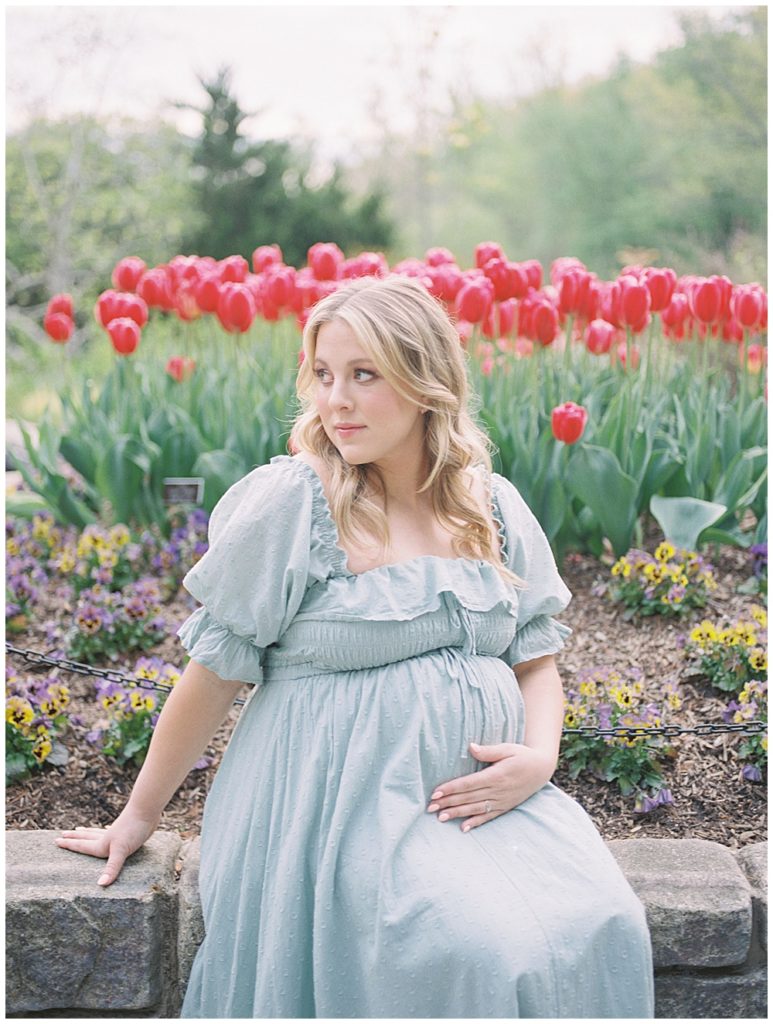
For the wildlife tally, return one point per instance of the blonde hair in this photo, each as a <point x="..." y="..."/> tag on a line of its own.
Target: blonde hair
<point x="416" y="348"/>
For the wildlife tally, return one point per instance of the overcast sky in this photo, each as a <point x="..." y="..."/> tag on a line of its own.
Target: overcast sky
<point x="331" y="73"/>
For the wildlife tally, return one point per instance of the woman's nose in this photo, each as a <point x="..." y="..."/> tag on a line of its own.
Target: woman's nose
<point x="340" y="395"/>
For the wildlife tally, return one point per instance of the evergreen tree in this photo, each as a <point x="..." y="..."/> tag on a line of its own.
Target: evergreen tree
<point x="255" y="193"/>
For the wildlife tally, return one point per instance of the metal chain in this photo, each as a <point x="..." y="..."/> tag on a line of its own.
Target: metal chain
<point x="114" y="676"/>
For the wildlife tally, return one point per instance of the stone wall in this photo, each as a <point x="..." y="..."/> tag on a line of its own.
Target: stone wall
<point x="75" y="950"/>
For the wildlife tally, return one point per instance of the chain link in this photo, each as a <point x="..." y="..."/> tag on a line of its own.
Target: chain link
<point x="114" y="676"/>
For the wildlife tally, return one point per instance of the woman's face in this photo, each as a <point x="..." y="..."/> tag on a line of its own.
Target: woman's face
<point x="362" y="414"/>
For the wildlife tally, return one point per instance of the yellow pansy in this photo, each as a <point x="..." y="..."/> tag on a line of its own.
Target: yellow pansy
<point x="622" y="567"/>
<point x="704" y="634"/>
<point x="654" y="573"/>
<point x="41" y="528"/>
<point x="42" y="749"/>
<point x="746" y="633"/>
<point x="664" y="551"/>
<point x="760" y="615"/>
<point x="107" y="558"/>
<point x="588" y="688"/>
<point x="758" y="659"/>
<point x="119" y="535"/>
<point x="674" y="701"/>
<point x="18" y="712"/>
<point x="12" y="546"/>
<point x="729" y="638"/>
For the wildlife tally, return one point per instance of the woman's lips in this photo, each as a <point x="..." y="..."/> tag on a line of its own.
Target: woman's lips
<point x="348" y="430"/>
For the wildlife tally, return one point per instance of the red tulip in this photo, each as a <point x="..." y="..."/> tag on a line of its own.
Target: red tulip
<point x="533" y="271"/>
<point x="180" y="368"/>
<point x="756" y="358"/>
<point x="207" y="293"/>
<point x="366" y="264"/>
<point x="279" y="285"/>
<point x="732" y="332"/>
<point x="326" y="261"/>
<point x="234" y="269"/>
<point x="446" y="280"/>
<point x="622" y="355"/>
<point x="185" y="302"/>
<point x="61" y="303"/>
<point x="676" y="312"/>
<point x="473" y="301"/>
<point x="266" y="256"/>
<point x="236" y="307"/>
<point x="509" y="279"/>
<point x="106" y="307"/>
<point x="573" y="290"/>
<point x="58" y="326"/>
<point x="486" y="251"/>
<point x="124" y="335"/>
<point x="634" y="303"/>
<point x="660" y="283"/>
<point x="747" y="303"/>
<point x="599" y="336"/>
<point x="507" y="311"/>
<point x="545" y="323"/>
<point x="568" y="422"/>
<point x="706" y="300"/>
<point x="127" y="273"/>
<point x="155" y="288"/>
<point x="438" y="256"/>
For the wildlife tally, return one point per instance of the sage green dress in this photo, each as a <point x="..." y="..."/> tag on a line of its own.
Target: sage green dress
<point x="327" y="889"/>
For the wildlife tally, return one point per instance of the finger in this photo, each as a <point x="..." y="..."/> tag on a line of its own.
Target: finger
<point x="81" y="833"/>
<point x="113" y="867"/>
<point x="492" y="751"/>
<point x="479" y="807"/>
<point x="459" y="799"/>
<point x="478" y="820"/>
<point x="92" y="847"/>
<point x="462" y="784"/>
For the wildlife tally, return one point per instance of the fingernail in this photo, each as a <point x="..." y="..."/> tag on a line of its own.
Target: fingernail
<point x="466" y="828"/>
<point x="437" y="794"/>
<point x="432" y="808"/>
<point x="476" y="745"/>
<point x="103" y="880"/>
<point x="443" y="817"/>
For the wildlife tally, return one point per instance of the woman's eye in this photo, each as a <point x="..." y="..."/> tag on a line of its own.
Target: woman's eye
<point x="322" y="375"/>
<point x="363" y="375"/>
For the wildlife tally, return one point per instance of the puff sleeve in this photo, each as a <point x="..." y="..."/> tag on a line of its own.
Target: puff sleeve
<point x="253" y="577"/>
<point x="528" y="554"/>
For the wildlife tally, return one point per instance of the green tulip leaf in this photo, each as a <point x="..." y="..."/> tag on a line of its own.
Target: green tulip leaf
<point x="682" y="520"/>
<point x="595" y="477"/>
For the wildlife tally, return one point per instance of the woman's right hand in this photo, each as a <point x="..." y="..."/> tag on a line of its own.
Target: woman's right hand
<point x="116" y="842"/>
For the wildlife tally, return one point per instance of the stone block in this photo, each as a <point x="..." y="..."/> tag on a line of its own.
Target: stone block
<point x="753" y="861"/>
<point x="694" y="997"/>
<point x="697" y="899"/>
<point x="71" y="944"/>
<point x="191" y="923"/>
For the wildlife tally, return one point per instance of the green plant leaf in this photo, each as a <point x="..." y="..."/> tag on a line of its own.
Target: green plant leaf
<point x="595" y="477"/>
<point x="683" y="519"/>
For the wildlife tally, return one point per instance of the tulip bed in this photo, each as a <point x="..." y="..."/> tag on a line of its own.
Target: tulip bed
<point x="631" y="414"/>
<point x="606" y="401"/>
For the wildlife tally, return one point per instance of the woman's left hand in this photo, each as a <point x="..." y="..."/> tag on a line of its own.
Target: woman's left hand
<point x="514" y="774"/>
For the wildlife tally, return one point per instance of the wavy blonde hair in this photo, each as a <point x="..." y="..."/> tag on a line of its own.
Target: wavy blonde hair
<point x="416" y="348"/>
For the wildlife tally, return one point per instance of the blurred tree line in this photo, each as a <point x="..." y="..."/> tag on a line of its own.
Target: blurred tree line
<point x="663" y="162"/>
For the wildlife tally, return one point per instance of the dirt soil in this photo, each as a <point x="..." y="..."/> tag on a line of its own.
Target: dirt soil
<point x="711" y="800"/>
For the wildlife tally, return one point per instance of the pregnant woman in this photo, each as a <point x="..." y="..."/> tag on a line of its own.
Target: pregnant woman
<point x="382" y="838"/>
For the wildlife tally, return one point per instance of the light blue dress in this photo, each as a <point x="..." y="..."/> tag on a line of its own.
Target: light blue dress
<point x="327" y="889"/>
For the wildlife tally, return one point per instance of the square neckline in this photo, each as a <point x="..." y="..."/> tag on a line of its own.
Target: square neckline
<point x="343" y="558"/>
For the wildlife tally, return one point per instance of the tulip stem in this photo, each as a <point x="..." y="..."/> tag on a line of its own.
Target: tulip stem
<point x="744" y="370"/>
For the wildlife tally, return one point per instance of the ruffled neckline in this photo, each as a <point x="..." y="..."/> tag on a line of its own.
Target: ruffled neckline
<point x="328" y="530"/>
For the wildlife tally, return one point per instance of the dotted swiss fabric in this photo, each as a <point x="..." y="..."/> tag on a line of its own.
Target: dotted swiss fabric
<point x="327" y="890"/>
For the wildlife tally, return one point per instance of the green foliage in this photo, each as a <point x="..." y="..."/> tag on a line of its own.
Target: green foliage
<point x="254" y="193"/>
<point x="663" y="163"/>
<point x="673" y="428"/>
<point x="732" y="657"/>
<point x="604" y="698"/>
<point x="671" y="582"/>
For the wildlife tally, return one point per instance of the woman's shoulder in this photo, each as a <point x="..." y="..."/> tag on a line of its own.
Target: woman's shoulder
<point x="276" y="488"/>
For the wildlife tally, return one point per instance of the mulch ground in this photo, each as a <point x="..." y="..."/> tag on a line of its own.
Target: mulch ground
<point x="711" y="800"/>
